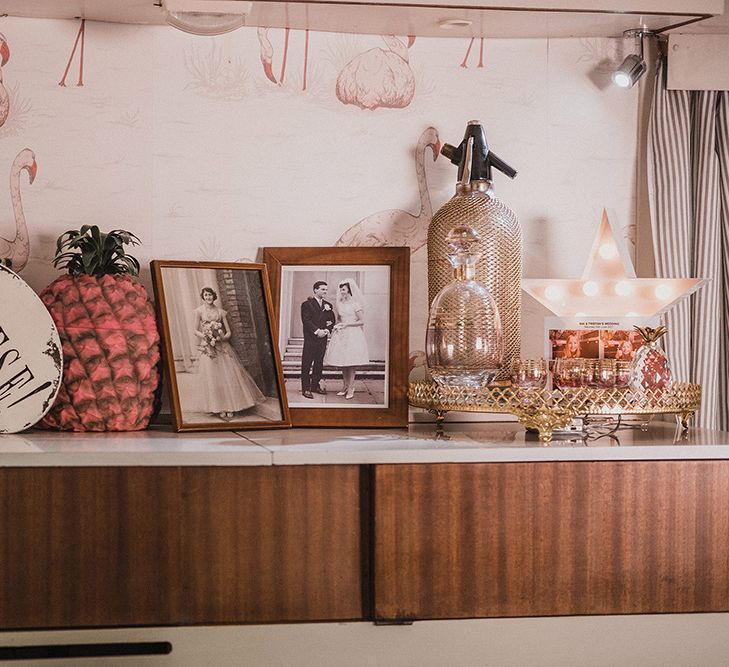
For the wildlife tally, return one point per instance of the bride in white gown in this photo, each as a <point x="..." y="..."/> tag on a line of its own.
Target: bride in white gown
<point x="225" y="386"/>
<point x="347" y="348"/>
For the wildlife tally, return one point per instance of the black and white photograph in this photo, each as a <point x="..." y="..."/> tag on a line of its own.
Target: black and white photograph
<point x="220" y="355"/>
<point x="334" y="335"/>
<point x="342" y="317"/>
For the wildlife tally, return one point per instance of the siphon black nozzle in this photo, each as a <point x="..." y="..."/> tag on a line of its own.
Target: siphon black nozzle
<point x="482" y="160"/>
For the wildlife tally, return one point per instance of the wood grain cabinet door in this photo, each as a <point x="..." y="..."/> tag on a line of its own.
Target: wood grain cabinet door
<point x="271" y="544"/>
<point x="88" y="547"/>
<point x="84" y="547"/>
<point x="534" y="539"/>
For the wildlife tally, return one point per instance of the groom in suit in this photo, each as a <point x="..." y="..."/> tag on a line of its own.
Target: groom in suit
<point x="317" y="317"/>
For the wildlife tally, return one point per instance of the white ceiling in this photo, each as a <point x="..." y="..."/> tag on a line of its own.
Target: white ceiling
<point x="714" y="25"/>
<point x="388" y="18"/>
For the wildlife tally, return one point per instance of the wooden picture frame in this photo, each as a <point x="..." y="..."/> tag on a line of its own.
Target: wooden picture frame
<point x="379" y="398"/>
<point x="219" y="342"/>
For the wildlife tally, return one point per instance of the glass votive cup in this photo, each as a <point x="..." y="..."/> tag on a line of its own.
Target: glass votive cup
<point x="529" y="373"/>
<point x="622" y="374"/>
<point x="603" y="374"/>
<point x="568" y="373"/>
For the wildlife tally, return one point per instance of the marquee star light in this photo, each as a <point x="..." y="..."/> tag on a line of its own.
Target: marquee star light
<point x="608" y="287"/>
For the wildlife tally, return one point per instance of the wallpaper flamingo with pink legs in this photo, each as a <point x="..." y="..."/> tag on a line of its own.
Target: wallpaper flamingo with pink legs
<point x="395" y="227"/>
<point x="4" y="95"/>
<point x="80" y="36"/>
<point x="15" y="252"/>
<point x="464" y="64"/>
<point x="266" y="54"/>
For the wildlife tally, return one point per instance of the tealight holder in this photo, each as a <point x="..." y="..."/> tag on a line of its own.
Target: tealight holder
<point x="529" y="373"/>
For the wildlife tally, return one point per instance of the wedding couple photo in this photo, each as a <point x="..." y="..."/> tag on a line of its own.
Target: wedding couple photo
<point x="334" y="335"/>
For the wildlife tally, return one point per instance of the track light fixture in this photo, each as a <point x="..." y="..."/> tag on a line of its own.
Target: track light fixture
<point x="633" y="67"/>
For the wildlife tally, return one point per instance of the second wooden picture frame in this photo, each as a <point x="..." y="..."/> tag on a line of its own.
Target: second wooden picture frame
<point x="343" y="316"/>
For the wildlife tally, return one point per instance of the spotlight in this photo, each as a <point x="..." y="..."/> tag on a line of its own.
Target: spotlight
<point x="627" y="75"/>
<point x="633" y="67"/>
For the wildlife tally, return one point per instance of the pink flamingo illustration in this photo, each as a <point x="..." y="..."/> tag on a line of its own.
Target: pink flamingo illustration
<point x="464" y="64"/>
<point x="378" y="77"/>
<point x="4" y="96"/>
<point x="80" y="36"/>
<point x="396" y="227"/>
<point x="15" y="253"/>
<point x="267" y="56"/>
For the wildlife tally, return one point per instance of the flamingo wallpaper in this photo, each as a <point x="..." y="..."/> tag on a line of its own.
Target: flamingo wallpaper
<point x="210" y="148"/>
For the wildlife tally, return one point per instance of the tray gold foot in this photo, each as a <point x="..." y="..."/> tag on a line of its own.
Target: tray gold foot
<point x="684" y="417"/>
<point x="545" y="435"/>
<point x="543" y="419"/>
<point x="439" y="416"/>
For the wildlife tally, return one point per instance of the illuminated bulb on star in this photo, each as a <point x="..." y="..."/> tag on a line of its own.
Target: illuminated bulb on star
<point x="663" y="292"/>
<point x="553" y="293"/>
<point x="623" y="288"/>
<point x="590" y="288"/>
<point x="608" y="251"/>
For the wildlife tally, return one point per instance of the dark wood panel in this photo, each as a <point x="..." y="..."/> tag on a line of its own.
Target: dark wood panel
<point x="522" y="539"/>
<point x="271" y="544"/>
<point x="88" y="547"/>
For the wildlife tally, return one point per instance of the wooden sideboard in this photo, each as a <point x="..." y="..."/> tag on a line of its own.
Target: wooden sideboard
<point x="122" y="546"/>
<point x="549" y="539"/>
<point x="392" y="530"/>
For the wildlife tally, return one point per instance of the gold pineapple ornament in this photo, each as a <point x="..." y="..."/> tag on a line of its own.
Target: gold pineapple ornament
<point x="650" y="369"/>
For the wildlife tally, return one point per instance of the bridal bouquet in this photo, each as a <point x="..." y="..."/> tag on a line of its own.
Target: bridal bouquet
<point x="212" y="335"/>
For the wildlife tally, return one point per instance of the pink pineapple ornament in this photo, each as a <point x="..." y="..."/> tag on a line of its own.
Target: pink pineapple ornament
<point x="650" y="369"/>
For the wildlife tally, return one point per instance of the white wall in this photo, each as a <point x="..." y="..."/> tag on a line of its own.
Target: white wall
<point x="184" y="141"/>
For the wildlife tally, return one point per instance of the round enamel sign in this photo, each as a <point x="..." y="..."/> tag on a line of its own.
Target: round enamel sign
<point x="31" y="364"/>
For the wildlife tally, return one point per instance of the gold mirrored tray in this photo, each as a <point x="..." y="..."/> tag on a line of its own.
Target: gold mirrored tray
<point x="548" y="409"/>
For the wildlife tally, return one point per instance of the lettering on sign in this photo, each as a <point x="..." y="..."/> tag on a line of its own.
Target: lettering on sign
<point x="14" y="387"/>
<point x="30" y="355"/>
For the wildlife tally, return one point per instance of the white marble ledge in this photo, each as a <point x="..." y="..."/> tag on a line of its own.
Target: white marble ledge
<point x="420" y="443"/>
<point x="158" y="446"/>
<point x="484" y="442"/>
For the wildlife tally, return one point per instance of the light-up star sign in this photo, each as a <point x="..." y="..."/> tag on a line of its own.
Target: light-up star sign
<point x="608" y="287"/>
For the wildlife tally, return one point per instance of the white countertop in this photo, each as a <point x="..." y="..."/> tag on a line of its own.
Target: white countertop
<point x="155" y="447"/>
<point x="420" y="443"/>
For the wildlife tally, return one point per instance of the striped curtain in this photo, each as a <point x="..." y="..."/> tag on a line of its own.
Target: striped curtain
<point x="688" y="187"/>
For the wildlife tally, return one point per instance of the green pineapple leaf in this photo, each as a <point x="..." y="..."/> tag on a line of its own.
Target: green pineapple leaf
<point x="90" y="251"/>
